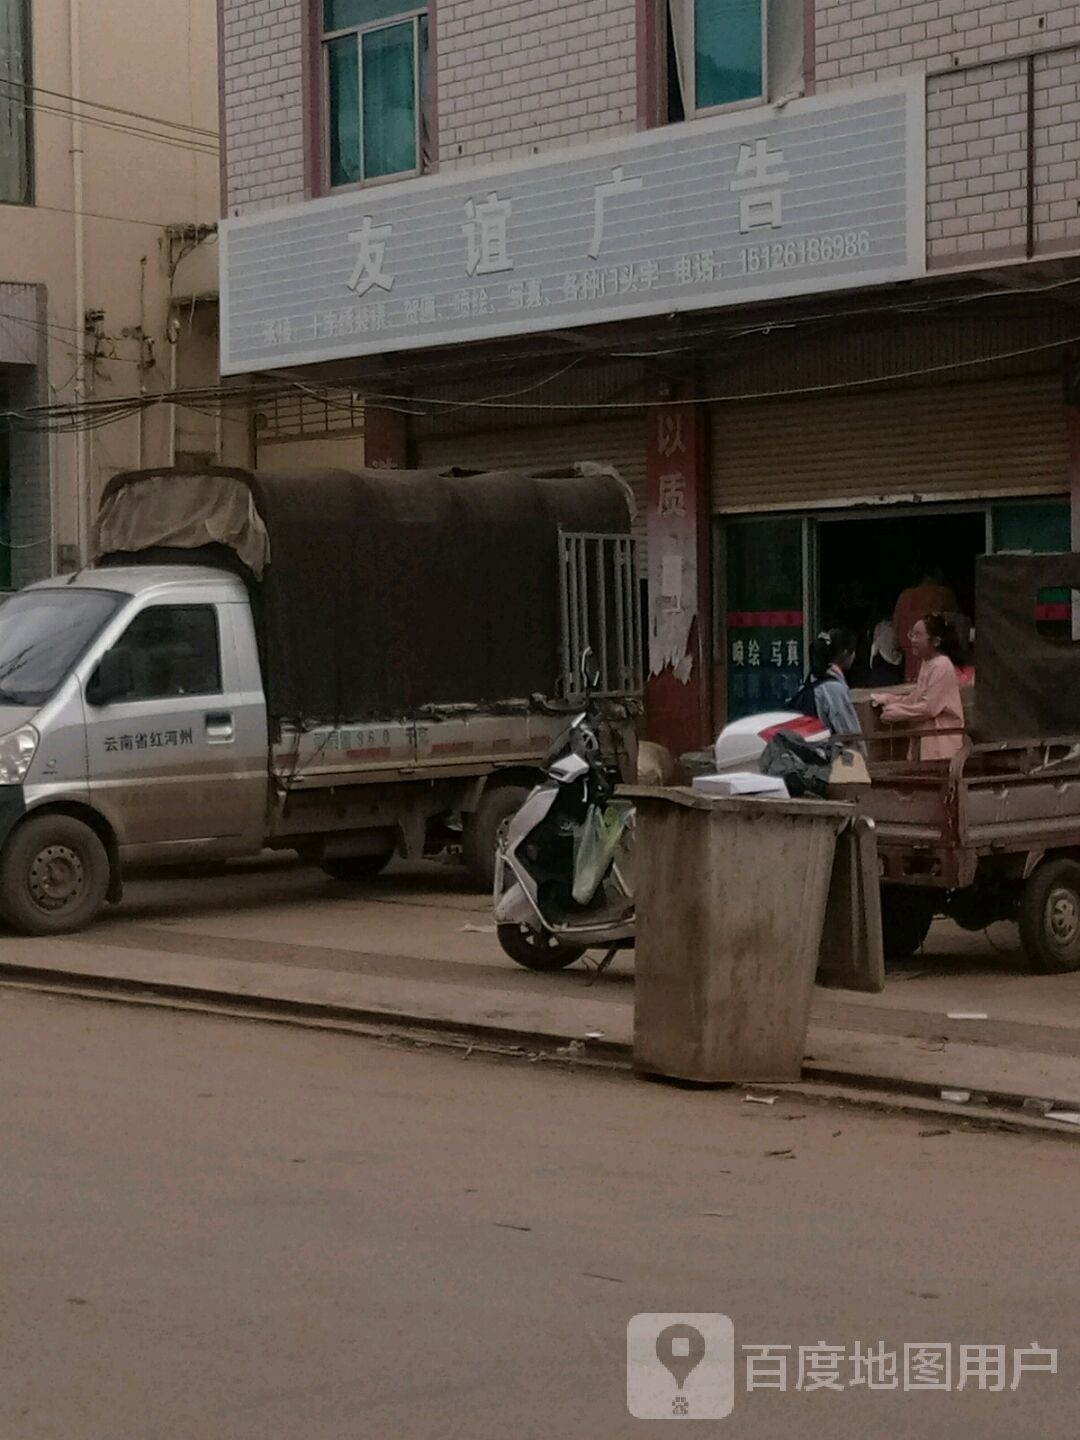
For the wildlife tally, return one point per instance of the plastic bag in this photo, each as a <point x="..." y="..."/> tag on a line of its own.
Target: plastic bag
<point x="804" y="768"/>
<point x="595" y="844"/>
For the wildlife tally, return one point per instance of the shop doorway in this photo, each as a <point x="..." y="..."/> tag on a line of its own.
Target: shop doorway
<point x="865" y="564"/>
<point x="782" y="578"/>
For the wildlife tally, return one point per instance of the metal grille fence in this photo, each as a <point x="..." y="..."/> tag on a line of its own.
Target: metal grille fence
<point x="601" y="615"/>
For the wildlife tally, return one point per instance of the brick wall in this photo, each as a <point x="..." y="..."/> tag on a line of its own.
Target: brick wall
<point x="262" y="75"/>
<point x="516" y="77"/>
<point x="975" y="57"/>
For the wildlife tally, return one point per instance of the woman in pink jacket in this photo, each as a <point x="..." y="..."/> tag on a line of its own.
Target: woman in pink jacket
<point x="934" y="703"/>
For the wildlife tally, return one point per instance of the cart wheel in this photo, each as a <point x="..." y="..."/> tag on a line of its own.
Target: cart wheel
<point x="1050" y="917"/>
<point x="906" y="916"/>
<point x="535" y="951"/>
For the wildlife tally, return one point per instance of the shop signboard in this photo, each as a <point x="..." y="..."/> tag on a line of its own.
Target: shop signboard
<point x="818" y="195"/>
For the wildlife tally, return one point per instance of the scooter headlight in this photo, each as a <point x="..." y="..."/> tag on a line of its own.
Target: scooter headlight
<point x="17" y="752"/>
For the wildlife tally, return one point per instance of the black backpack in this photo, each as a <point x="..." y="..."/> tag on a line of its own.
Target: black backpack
<point x="803" y="700"/>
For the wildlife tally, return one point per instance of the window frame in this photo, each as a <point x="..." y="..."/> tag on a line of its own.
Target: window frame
<point x="691" y="110"/>
<point x="27" y="100"/>
<point x="413" y="14"/>
<point x="201" y="605"/>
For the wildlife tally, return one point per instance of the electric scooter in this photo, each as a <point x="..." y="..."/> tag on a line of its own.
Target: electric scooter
<point x="560" y="886"/>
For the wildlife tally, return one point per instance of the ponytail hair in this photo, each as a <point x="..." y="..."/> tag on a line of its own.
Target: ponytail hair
<point x="828" y="648"/>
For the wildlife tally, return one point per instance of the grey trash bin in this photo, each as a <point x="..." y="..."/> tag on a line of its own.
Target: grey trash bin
<point x="731" y="900"/>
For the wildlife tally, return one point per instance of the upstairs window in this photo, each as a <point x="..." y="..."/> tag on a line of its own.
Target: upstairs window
<point x="375" y="56"/>
<point x="16" y="171"/>
<point x="717" y="55"/>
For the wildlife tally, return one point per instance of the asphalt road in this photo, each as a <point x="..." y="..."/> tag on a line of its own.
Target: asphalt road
<point x="213" y="1230"/>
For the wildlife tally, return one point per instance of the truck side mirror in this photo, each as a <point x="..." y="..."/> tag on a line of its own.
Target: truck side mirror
<point x="112" y="680"/>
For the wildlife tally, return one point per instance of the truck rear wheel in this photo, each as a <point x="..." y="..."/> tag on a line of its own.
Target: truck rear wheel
<point x="497" y="804"/>
<point x="906" y="917"/>
<point x="1050" y="917"/>
<point x="355" y="869"/>
<point x="54" y="874"/>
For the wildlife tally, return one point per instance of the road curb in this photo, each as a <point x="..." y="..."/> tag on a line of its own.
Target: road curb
<point x="1001" y="1109"/>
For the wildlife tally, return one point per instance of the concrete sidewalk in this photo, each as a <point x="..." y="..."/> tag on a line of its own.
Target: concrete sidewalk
<point x="417" y="948"/>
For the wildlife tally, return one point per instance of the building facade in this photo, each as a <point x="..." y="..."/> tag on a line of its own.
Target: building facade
<point x="806" y="271"/>
<point x="109" y="180"/>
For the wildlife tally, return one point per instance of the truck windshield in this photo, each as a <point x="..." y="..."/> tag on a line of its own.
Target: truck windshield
<point x="42" y="635"/>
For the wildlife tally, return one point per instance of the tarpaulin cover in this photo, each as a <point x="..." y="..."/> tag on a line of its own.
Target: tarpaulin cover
<point x="389" y="590"/>
<point x="1027" y="685"/>
<point x="207" y="509"/>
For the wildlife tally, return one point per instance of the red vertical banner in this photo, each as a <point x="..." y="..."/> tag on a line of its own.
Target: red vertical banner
<point x="676" y="692"/>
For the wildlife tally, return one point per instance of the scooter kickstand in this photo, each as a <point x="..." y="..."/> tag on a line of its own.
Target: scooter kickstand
<point x="604" y="963"/>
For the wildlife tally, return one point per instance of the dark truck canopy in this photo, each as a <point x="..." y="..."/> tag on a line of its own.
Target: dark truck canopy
<point x="1027" y="684"/>
<point x="379" y="592"/>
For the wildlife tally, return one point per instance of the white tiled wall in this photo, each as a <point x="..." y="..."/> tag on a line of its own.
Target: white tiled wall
<point x="262" y="67"/>
<point x="520" y="76"/>
<point x="975" y="57"/>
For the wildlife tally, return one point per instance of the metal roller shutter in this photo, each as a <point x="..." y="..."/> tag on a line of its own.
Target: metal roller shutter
<point x="621" y="445"/>
<point x="953" y="442"/>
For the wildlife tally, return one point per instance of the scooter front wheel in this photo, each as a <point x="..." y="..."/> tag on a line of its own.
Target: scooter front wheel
<point x="536" y="951"/>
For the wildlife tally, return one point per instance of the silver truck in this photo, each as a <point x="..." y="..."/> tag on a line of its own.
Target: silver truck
<point x="157" y="709"/>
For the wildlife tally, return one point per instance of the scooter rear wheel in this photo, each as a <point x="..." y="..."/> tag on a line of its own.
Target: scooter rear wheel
<point x="535" y="951"/>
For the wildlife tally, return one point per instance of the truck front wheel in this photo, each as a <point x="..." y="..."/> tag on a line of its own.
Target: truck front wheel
<point x="54" y="874"/>
<point x="497" y="804"/>
<point x="1050" y="917"/>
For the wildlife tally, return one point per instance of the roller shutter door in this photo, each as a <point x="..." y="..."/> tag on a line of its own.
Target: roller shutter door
<point x="621" y="445"/>
<point x="952" y="442"/>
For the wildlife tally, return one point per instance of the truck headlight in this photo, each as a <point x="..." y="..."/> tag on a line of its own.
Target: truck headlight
<point x="17" y="751"/>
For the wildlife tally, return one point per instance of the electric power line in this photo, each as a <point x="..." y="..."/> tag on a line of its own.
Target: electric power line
<point x="99" y="215"/>
<point x="115" y="109"/>
<point x="115" y="127"/>
<point x="96" y="414"/>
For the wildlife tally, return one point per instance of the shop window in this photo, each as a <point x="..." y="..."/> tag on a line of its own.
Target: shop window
<point x="761" y="621"/>
<point x="16" y="168"/>
<point x="375" y="57"/>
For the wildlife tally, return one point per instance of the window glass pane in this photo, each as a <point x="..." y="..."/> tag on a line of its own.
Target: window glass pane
<point x="343" y="78"/>
<point x="44" y="633"/>
<point x="343" y="14"/>
<point x="727" y="51"/>
<point x="1023" y="528"/>
<point x="389" y="68"/>
<point x="14" y="113"/>
<point x="174" y="651"/>
<point x="763" y="600"/>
